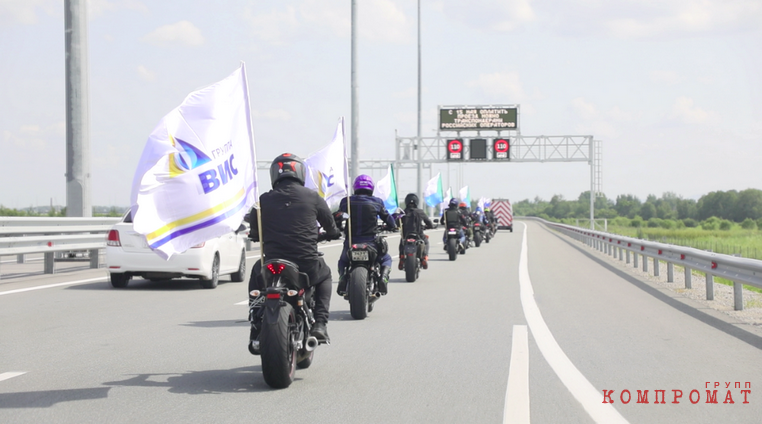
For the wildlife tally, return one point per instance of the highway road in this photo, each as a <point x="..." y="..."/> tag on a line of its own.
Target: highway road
<point x="532" y="327"/>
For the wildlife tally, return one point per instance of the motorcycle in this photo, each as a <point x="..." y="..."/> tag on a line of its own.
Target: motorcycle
<point x="478" y="233"/>
<point x="363" y="277"/>
<point x="413" y="251"/>
<point x="467" y="243"/>
<point x="487" y="232"/>
<point x="284" y="308"/>
<point x="453" y="243"/>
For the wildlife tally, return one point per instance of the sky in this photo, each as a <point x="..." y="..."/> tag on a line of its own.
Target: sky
<point x="672" y="88"/>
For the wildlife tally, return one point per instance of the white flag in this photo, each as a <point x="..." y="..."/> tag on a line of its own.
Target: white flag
<point x="433" y="194"/>
<point x="465" y="196"/>
<point x="197" y="175"/>
<point x="386" y="190"/>
<point x="327" y="170"/>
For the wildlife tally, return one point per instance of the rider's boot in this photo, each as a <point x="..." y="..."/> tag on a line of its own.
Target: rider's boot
<point x="383" y="284"/>
<point x="402" y="263"/>
<point x="425" y="262"/>
<point x="342" y="289"/>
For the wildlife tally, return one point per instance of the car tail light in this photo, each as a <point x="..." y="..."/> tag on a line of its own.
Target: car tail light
<point x="113" y="239"/>
<point x="276" y="268"/>
<point x="200" y="245"/>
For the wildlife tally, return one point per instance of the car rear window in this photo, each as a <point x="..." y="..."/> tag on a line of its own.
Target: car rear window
<point x="127" y="217"/>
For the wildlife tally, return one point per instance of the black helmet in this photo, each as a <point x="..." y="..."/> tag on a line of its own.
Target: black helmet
<point x="411" y="200"/>
<point x="287" y="165"/>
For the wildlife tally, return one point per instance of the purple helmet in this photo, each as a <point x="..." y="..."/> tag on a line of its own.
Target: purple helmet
<point x="363" y="182"/>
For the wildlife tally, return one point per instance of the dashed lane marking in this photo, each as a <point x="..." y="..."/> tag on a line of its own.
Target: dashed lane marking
<point x="48" y="286"/>
<point x="517" y="394"/>
<point x="9" y="375"/>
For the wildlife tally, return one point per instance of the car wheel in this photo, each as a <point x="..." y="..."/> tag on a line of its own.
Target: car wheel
<point x="239" y="275"/>
<point x="215" y="278"/>
<point x="119" y="280"/>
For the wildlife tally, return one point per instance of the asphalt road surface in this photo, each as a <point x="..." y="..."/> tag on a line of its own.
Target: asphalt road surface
<point x="531" y="327"/>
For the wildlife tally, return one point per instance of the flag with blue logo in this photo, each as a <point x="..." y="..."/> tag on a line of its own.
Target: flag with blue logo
<point x="327" y="170"/>
<point x="386" y="190"/>
<point x="433" y="193"/>
<point x="465" y="196"/>
<point x="196" y="177"/>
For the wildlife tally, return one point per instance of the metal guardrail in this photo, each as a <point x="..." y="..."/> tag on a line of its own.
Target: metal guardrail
<point x="26" y="235"/>
<point x="738" y="270"/>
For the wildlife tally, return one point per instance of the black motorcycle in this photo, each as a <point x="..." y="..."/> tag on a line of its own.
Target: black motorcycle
<point x="284" y="308"/>
<point x="453" y="243"/>
<point x="363" y="277"/>
<point x="413" y="251"/>
<point x="478" y="233"/>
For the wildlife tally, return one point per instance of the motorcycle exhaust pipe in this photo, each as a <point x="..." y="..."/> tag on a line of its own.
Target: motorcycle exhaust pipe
<point x="374" y="297"/>
<point x="312" y="343"/>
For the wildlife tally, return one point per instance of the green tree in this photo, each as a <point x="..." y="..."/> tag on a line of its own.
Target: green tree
<point x="717" y="203"/>
<point x="627" y="205"/>
<point x="647" y="211"/>
<point x="749" y="205"/>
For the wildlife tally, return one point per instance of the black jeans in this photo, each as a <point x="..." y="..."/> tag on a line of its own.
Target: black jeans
<point x="320" y="281"/>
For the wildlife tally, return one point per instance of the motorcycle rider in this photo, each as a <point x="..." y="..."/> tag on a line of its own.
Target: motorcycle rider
<point x="463" y="208"/>
<point x="413" y="223"/>
<point x="453" y="218"/>
<point x="289" y="212"/>
<point x="364" y="214"/>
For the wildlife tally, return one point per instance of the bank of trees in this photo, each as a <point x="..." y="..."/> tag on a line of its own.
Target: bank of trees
<point x="715" y="209"/>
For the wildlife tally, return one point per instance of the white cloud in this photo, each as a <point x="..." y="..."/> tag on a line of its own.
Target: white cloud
<point x="272" y="114"/>
<point x="496" y="15"/>
<point x="25" y="11"/>
<point x="652" y="18"/>
<point x="501" y="85"/>
<point x="182" y="32"/>
<point x="32" y="138"/>
<point x="145" y="74"/>
<point x="667" y="77"/>
<point x="584" y="109"/>
<point x="97" y="8"/>
<point x="685" y="111"/>
<point x="378" y="20"/>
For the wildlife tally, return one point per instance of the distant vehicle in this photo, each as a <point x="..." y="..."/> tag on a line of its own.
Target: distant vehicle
<point x="503" y="212"/>
<point x="128" y="255"/>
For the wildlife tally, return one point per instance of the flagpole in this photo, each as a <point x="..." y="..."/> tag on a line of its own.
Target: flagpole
<point x="346" y="185"/>
<point x="253" y="164"/>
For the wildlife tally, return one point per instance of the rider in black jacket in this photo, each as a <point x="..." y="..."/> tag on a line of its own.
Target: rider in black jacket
<point x="413" y="223"/>
<point x="365" y="210"/>
<point x="289" y="212"/>
<point x="453" y="218"/>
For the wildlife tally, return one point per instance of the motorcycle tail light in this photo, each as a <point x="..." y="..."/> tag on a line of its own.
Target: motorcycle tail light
<point x="411" y="240"/>
<point x="276" y="268"/>
<point x="292" y="293"/>
<point x="254" y="293"/>
<point x="113" y="239"/>
<point x="273" y="295"/>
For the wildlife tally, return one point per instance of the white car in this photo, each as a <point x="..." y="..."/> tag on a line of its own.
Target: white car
<point x="128" y="255"/>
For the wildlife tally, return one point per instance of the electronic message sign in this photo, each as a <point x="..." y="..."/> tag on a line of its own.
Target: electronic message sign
<point x="455" y="149"/>
<point x="478" y="118"/>
<point x="478" y="149"/>
<point x="501" y="149"/>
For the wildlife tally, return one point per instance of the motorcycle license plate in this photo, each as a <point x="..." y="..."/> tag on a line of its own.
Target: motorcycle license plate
<point x="359" y="255"/>
<point x="451" y="232"/>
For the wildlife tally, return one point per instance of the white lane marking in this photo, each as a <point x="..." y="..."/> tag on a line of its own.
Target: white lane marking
<point x="517" y="394"/>
<point x="580" y="388"/>
<point x="9" y="375"/>
<point x="68" y="283"/>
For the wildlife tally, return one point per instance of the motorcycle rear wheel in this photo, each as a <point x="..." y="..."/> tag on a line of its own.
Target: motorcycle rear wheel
<point x="452" y="249"/>
<point x="277" y="349"/>
<point x="477" y="240"/>
<point x="358" y="293"/>
<point x="411" y="271"/>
